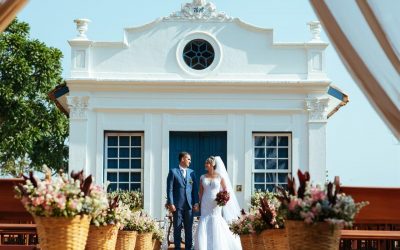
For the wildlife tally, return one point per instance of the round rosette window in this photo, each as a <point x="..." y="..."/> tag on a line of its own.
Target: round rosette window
<point x="198" y="54"/>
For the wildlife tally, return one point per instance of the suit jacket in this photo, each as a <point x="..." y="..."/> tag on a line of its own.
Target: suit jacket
<point x="181" y="190"/>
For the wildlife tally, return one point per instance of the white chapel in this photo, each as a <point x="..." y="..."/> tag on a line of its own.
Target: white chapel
<point x="200" y="81"/>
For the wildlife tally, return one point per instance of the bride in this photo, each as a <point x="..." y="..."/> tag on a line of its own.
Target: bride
<point x="213" y="231"/>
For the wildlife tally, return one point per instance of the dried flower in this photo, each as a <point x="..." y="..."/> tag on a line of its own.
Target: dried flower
<point x="134" y="199"/>
<point x="61" y="196"/>
<point x="267" y="204"/>
<point x="116" y="213"/>
<point x="141" y="222"/>
<point x="313" y="203"/>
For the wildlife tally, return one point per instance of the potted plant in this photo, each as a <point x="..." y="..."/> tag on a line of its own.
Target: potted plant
<point x="246" y="227"/>
<point x="158" y="237"/>
<point x="134" y="199"/>
<point x="315" y="214"/>
<point x="144" y="225"/>
<point x="126" y="239"/>
<point x="273" y="234"/>
<point x="62" y="207"/>
<point x="104" y="227"/>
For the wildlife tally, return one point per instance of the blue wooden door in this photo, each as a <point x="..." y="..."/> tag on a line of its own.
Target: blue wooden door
<point x="200" y="145"/>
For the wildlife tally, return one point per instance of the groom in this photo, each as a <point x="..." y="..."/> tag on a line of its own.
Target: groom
<point x="182" y="198"/>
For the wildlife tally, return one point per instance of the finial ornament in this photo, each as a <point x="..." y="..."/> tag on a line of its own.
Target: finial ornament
<point x="82" y="27"/>
<point x="315" y="29"/>
<point x="199" y="2"/>
<point x="199" y="10"/>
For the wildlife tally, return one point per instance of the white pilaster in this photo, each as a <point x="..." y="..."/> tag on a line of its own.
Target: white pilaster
<point x="317" y="138"/>
<point x="148" y="163"/>
<point x="78" y="138"/>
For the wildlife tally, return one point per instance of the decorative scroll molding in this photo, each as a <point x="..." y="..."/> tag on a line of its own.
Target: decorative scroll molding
<point x="317" y="109"/>
<point x="199" y="10"/>
<point x="78" y="106"/>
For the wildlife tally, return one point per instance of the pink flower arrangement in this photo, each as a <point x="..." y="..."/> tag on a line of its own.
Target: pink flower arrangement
<point x="267" y="205"/>
<point x="314" y="203"/>
<point x="141" y="222"/>
<point x="269" y="214"/>
<point x="116" y="213"/>
<point x="61" y="196"/>
<point x="245" y="224"/>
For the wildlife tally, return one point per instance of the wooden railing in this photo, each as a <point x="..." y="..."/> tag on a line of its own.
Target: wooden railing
<point x="17" y="230"/>
<point x="377" y="226"/>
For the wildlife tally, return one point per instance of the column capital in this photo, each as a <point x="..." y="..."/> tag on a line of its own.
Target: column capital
<point x="317" y="109"/>
<point x="78" y="106"/>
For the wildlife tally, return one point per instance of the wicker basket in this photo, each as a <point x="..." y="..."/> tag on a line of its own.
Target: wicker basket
<point x="102" y="238"/>
<point x="156" y="244"/>
<point x="247" y="242"/>
<point x="258" y="242"/>
<point x="126" y="240"/>
<point x="144" y="241"/>
<point x="275" y="239"/>
<point x="62" y="233"/>
<point x="312" y="237"/>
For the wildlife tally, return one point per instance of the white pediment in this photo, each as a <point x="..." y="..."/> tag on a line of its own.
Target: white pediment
<point x="155" y="51"/>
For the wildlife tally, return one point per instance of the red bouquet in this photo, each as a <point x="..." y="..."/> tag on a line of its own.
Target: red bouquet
<point x="222" y="198"/>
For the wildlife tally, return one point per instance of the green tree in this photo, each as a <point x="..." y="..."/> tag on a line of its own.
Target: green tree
<point x="33" y="131"/>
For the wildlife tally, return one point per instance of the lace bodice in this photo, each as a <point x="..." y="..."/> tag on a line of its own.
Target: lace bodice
<point x="211" y="186"/>
<point x="213" y="231"/>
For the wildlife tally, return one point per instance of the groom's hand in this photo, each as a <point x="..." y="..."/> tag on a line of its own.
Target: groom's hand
<point x="196" y="207"/>
<point x="172" y="208"/>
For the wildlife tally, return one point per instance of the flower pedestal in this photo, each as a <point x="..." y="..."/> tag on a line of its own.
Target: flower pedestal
<point x="62" y="233"/>
<point x="156" y="244"/>
<point x="275" y="239"/>
<point x="320" y="235"/>
<point x="102" y="238"/>
<point x="126" y="240"/>
<point x="144" y="241"/>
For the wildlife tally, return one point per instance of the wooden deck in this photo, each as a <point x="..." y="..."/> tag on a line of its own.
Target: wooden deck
<point x="377" y="226"/>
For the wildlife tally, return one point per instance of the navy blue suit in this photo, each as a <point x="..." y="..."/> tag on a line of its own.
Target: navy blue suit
<point x="183" y="193"/>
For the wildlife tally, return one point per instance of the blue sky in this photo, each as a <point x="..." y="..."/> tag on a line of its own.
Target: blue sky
<point x="361" y="149"/>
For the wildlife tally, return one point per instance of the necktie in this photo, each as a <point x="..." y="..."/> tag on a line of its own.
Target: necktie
<point x="184" y="173"/>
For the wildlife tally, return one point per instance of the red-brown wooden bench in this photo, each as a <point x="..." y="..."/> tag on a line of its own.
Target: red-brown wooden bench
<point x="377" y="226"/>
<point x="15" y="221"/>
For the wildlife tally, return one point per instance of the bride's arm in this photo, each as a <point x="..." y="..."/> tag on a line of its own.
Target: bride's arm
<point x="223" y="185"/>
<point x="201" y="189"/>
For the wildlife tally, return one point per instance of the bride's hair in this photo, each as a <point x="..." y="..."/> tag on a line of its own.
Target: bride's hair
<point x="211" y="160"/>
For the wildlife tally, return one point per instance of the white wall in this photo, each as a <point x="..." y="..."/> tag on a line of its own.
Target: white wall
<point x="140" y="84"/>
<point x="158" y="114"/>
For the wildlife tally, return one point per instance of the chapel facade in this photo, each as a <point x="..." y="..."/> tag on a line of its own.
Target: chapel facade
<point x="200" y="81"/>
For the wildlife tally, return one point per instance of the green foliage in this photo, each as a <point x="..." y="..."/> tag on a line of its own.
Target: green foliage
<point x="33" y="131"/>
<point x="134" y="199"/>
<point x="255" y="200"/>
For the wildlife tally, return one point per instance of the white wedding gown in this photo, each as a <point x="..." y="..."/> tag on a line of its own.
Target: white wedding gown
<point x="213" y="231"/>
